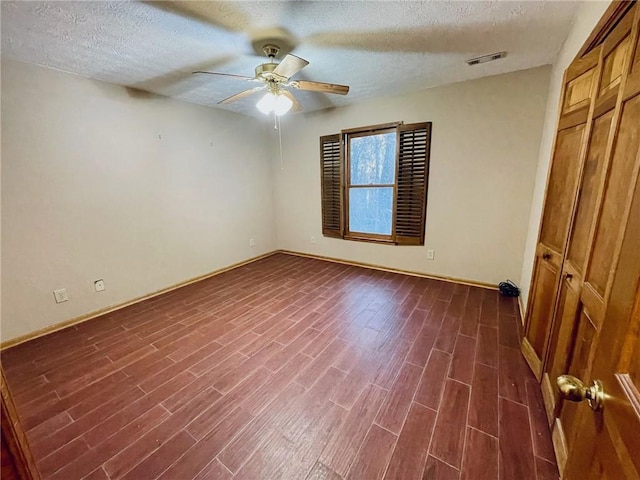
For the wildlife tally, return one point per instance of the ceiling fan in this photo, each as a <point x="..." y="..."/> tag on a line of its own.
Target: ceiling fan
<point x="276" y="78"/>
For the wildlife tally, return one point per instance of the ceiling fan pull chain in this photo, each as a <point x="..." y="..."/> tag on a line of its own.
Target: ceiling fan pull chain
<point x="280" y="140"/>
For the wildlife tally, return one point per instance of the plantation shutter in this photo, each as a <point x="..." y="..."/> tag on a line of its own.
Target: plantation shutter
<point x="331" y="168"/>
<point x="414" y="145"/>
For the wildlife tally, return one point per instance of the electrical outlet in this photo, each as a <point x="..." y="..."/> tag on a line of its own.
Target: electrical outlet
<point x="313" y="239"/>
<point x="99" y="285"/>
<point x="430" y="254"/>
<point x="60" y="295"/>
<point x="252" y="242"/>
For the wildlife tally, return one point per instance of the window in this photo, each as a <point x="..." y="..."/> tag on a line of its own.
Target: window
<point x="371" y="161"/>
<point x="374" y="183"/>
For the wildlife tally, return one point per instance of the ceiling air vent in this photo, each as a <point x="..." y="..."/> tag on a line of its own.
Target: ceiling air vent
<point x="486" y="58"/>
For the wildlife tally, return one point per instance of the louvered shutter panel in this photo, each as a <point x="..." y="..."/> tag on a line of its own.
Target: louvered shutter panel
<point x="331" y="167"/>
<point x="414" y="144"/>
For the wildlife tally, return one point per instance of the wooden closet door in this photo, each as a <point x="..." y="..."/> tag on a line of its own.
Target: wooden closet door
<point x="16" y="461"/>
<point x="606" y="444"/>
<point x="595" y="329"/>
<point x="566" y="168"/>
<point x="565" y="319"/>
<point x="613" y="54"/>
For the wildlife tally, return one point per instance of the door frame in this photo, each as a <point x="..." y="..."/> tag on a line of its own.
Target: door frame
<point x="13" y="437"/>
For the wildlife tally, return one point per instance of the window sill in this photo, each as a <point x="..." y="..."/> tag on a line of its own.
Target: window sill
<point x="370" y="239"/>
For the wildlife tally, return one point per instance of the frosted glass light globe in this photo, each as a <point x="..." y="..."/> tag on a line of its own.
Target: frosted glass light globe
<point x="280" y="104"/>
<point x="283" y="105"/>
<point x="267" y="103"/>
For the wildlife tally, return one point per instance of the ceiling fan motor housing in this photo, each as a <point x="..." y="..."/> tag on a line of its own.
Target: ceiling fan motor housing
<point x="265" y="70"/>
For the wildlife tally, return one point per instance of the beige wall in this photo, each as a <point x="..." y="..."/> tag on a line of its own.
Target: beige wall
<point x="486" y="137"/>
<point x="90" y="191"/>
<point x="585" y="20"/>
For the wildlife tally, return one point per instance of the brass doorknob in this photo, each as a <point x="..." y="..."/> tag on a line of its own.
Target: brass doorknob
<point x="574" y="389"/>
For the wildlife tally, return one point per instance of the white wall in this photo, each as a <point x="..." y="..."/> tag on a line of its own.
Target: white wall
<point x="484" y="152"/>
<point x="586" y="18"/>
<point x="90" y="191"/>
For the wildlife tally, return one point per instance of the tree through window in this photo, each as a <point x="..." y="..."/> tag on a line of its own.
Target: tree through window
<point x="372" y="177"/>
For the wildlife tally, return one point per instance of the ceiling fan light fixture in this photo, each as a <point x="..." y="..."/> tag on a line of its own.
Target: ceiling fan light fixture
<point x="274" y="77"/>
<point x="280" y="104"/>
<point x="267" y="103"/>
<point x="283" y="105"/>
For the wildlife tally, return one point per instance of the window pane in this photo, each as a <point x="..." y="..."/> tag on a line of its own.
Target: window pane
<point x="373" y="159"/>
<point x="370" y="210"/>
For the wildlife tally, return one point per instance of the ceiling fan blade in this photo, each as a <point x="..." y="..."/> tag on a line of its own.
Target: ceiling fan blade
<point x="296" y="107"/>
<point x="223" y="15"/>
<point x="320" y="87"/>
<point x="289" y="66"/>
<point x="240" y="95"/>
<point x="224" y="75"/>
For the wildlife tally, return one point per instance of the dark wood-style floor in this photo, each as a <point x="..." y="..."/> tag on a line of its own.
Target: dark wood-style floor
<point x="288" y="368"/>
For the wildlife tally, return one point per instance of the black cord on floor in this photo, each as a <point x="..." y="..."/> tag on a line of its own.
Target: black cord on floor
<point x="509" y="289"/>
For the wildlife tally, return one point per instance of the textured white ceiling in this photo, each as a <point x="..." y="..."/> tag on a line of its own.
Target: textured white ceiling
<point x="376" y="47"/>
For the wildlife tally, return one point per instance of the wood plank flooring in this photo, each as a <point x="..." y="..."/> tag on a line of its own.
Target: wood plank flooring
<point x="288" y="368"/>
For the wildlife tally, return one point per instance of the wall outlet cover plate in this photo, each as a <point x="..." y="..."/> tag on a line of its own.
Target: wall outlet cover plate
<point x="60" y="295"/>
